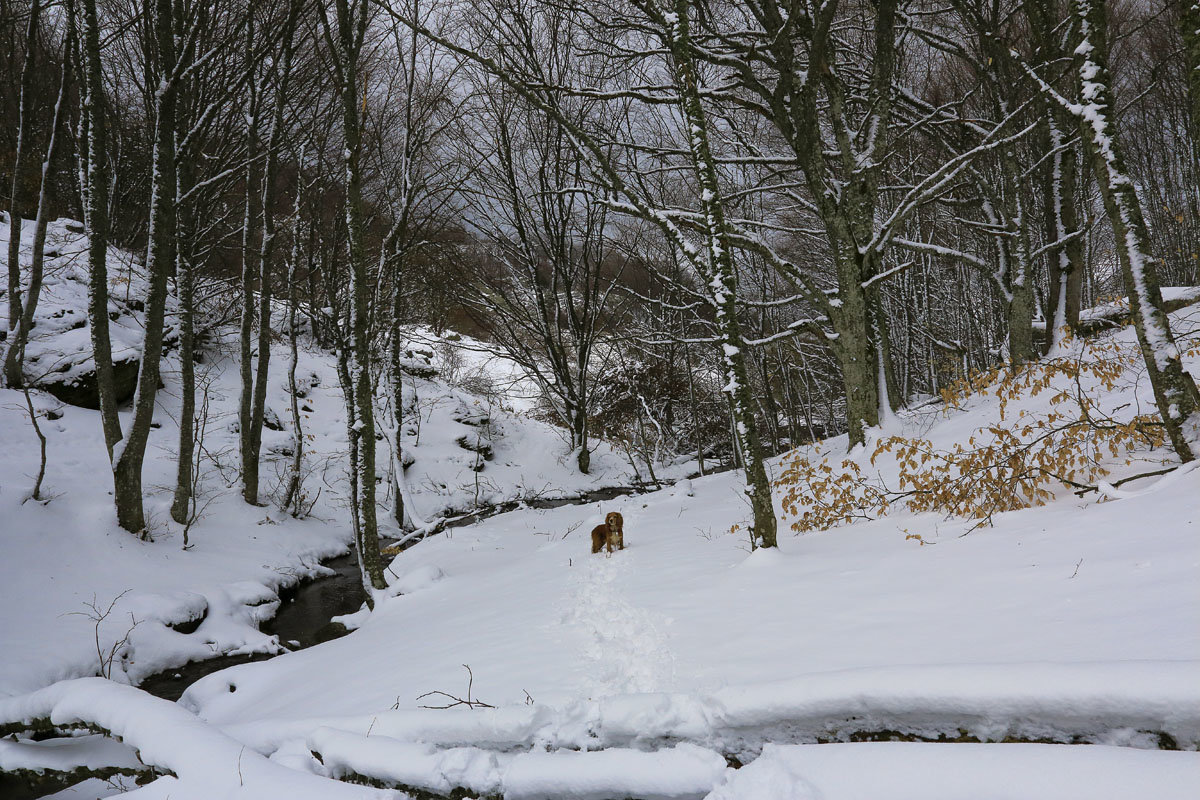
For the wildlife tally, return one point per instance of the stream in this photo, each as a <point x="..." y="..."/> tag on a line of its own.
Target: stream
<point x="306" y="610"/>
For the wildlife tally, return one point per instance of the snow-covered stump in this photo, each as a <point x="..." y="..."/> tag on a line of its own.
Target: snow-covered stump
<point x="195" y="759"/>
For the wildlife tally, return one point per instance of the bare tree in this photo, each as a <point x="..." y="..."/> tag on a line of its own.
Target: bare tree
<point x="1174" y="389"/>
<point x="18" y="337"/>
<point x="345" y="36"/>
<point x="258" y="236"/>
<point x="15" y="199"/>
<point x="94" y="187"/>
<point x="549" y="259"/>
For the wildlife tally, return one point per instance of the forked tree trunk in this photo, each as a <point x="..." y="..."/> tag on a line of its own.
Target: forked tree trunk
<point x="160" y="261"/>
<point x="1066" y="264"/>
<point x="257" y="271"/>
<point x="1062" y="226"/>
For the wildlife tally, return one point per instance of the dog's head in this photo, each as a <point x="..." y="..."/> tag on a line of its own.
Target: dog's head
<point x="614" y="521"/>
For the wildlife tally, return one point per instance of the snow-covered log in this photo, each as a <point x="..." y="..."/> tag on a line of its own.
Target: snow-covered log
<point x="206" y="763"/>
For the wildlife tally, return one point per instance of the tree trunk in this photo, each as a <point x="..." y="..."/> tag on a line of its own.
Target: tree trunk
<point x="291" y="495"/>
<point x="160" y="258"/>
<point x="95" y="189"/>
<point x="721" y="280"/>
<point x="397" y="392"/>
<point x="185" y="286"/>
<point x="1190" y="27"/>
<point x="14" y="358"/>
<point x="853" y="348"/>
<point x="248" y="444"/>
<point x="352" y="442"/>
<point x="889" y="397"/>
<point x="1174" y="390"/>
<point x="1066" y="263"/>
<point x="695" y="408"/>
<point x="14" y="205"/>
<point x="579" y="433"/>
<point x="1020" y="278"/>
<point x="253" y="397"/>
<point x="351" y="23"/>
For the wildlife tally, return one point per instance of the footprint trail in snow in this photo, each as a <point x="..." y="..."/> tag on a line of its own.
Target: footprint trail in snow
<point x="623" y="647"/>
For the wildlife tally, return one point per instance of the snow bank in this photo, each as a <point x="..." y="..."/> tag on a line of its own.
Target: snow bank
<point x="1103" y="703"/>
<point x="684" y="771"/>
<point x="907" y="771"/>
<point x="205" y="763"/>
<point x="93" y="751"/>
<point x="1128" y="703"/>
<point x="419" y="766"/>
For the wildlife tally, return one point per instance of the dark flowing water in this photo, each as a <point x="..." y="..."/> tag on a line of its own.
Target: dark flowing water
<point x="306" y="610"/>
<point x="304" y="619"/>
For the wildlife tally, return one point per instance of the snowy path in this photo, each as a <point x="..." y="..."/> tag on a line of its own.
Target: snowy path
<point x="624" y="649"/>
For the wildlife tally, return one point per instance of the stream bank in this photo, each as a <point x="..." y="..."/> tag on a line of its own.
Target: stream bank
<point x="306" y="610"/>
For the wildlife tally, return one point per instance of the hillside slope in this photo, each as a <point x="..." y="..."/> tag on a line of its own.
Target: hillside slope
<point x="59" y="556"/>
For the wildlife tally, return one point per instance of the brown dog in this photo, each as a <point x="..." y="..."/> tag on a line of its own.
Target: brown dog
<point x="610" y="534"/>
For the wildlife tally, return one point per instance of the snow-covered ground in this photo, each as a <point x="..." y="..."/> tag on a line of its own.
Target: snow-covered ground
<point x="60" y="556"/>
<point x="1076" y="621"/>
<point x="655" y="672"/>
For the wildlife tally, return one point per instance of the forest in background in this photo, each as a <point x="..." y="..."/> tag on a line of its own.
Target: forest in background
<point x="713" y="228"/>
